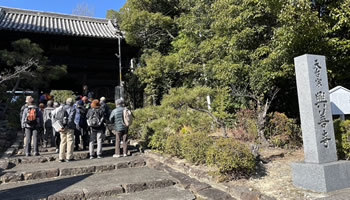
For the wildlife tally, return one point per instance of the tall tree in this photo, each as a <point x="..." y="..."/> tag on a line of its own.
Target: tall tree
<point x="40" y="72"/>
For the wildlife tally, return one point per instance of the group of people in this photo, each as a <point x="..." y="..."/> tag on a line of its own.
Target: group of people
<point x="70" y="124"/>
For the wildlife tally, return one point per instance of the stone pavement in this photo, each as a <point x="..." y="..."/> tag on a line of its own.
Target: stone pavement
<point x="43" y="177"/>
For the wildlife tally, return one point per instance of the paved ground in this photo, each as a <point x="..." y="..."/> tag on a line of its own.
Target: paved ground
<point x="43" y="177"/>
<point x="89" y="185"/>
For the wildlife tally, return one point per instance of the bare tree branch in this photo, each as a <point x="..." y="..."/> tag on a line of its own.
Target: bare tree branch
<point x="84" y="9"/>
<point x="8" y="74"/>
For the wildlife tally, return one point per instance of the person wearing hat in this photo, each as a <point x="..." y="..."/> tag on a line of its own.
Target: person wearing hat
<point x="95" y="120"/>
<point x="80" y="131"/>
<point x="119" y="129"/>
<point x="20" y="119"/>
<point x="31" y="119"/>
<point x="65" y="115"/>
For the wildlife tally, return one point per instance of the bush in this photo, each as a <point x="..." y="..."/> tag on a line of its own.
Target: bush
<point x="173" y="145"/>
<point x="342" y="135"/>
<point x="62" y="95"/>
<point x="111" y="106"/>
<point x="282" y="131"/>
<point x="245" y="128"/>
<point x="194" y="147"/>
<point x="12" y="114"/>
<point x="232" y="158"/>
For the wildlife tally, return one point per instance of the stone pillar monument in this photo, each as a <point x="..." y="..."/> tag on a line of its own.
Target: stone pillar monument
<point x="320" y="170"/>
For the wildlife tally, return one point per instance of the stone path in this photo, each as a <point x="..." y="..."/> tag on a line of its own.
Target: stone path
<point x="43" y="177"/>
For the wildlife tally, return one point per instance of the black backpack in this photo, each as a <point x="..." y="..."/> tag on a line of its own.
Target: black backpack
<point x="47" y="117"/>
<point x="94" y="120"/>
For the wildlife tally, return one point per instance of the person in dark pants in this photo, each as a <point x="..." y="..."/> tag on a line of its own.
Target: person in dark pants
<point x="80" y="132"/>
<point x="95" y="119"/>
<point x="31" y="120"/>
<point x="119" y="129"/>
<point x="48" y="130"/>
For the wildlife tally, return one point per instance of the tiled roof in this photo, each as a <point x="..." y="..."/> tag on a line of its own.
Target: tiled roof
<point x="54" y="23"/>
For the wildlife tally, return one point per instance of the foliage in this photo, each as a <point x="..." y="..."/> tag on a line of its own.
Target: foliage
<point x="232" y="158"/>
<point x="173" y="145"/>
<point x="111" y="106"/>
<point x="342" y="135"/>
<point x="194" y="147"/>
<point x="61" y="96"/>
<point x="245" y="127"/>
<point x="240" y="50"/>
<point x="283" y="131"/>
<point x="24" y="50"/>
<point x="112" y="14"/>
<point x="12" y="114"/>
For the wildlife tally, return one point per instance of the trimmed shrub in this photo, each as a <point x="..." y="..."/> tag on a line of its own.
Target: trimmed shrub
<point x="173" y="145"/>
<point x="342" y="135"/>
<point x="159" y="134"/>
<point x="194" y="147"/>
<point x="232" y="158"/>
<point x="62" y="95"/>
<point x="283" y="132"/>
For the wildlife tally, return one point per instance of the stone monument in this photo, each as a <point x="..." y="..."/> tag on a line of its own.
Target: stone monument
<point x="321" y="171"/>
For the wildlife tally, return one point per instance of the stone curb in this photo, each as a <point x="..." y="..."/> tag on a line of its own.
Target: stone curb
<point x="48" y="158"/>
<point x="159" y="161"/>
<point x="200" y="189"/>
<point x="56" y="172"/>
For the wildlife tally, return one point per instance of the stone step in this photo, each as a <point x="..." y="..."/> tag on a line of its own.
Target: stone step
<point x="38" y="171"/>
<point x="51" y="155"/>
<point x="92" y="186"/>
<point x="167" y="193"/>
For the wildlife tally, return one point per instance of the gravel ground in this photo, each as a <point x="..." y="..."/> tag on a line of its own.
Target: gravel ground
<point x="276" y="178"/>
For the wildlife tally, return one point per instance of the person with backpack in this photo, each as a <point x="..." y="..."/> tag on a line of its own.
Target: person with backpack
<point x="120" y="117"/>
<point x="20" y="117"/>
<point x="48" y="130"/>
<point x="106" y="113"/>
<point x="41" y="126"/>
<point x="65" y="116"/>
<point x="95" y="121"/>
<point x="67" y="136"/>
<point x="80" y="131"/>
<point x="56" y="134"/>
<point x="31" y="120"/>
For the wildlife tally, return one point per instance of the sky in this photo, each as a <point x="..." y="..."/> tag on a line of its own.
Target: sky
<point x="65" y="6"/>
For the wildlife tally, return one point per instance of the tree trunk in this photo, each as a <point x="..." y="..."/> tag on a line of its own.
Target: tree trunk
<point x="262" y="112"/>
<point x="13" y="92"/>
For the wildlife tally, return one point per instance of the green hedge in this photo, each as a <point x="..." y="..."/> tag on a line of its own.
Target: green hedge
<point x="232" y="158"/>
<point x="342" y="135"/>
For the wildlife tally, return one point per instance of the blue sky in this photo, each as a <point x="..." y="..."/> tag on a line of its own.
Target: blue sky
<point x="65" y="6"/>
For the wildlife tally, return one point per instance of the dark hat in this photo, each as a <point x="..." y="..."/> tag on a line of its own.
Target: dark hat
<point x="80" y="103"/>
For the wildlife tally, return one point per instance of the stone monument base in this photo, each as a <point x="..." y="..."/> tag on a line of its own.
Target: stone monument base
<point x="325" y="177"/>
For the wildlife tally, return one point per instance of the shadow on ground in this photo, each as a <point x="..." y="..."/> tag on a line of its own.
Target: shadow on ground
<point x="40" y="190"/>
